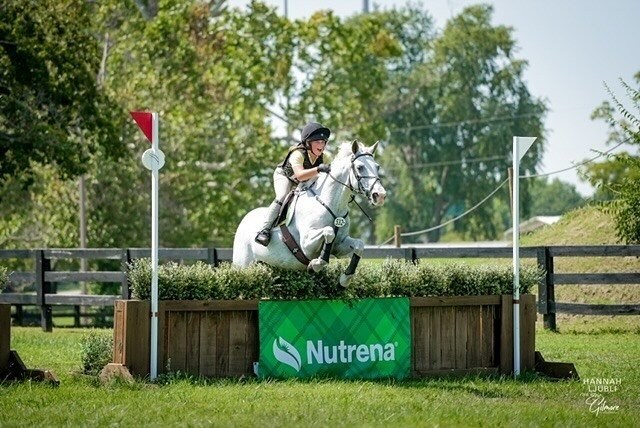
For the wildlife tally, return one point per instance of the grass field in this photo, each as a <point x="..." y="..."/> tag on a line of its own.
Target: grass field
<point x="477" y="401"/>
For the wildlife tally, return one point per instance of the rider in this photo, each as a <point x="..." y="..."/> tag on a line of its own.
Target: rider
<point x="303" y="162"/>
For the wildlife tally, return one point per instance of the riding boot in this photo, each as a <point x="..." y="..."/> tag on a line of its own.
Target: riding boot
<point x="264" y="236"/>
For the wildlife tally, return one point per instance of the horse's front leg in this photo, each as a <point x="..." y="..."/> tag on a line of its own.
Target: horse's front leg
<point x="311" y="244"/>
<point x="352" y="246"/>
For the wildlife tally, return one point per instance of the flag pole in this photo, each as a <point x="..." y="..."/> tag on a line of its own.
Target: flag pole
<point x="516" y="258"/>
<point x="154" y="255"/>
<point x="520" y="147"/>
<point x="153" y="160"/>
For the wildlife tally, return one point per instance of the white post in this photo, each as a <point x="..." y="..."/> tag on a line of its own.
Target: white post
<point x="520" y="147"/>
<point x="516" y="257"/>
<point x="154" y="255"/>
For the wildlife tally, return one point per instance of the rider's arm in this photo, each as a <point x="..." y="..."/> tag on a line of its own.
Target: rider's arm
<point x="301" y="174"/>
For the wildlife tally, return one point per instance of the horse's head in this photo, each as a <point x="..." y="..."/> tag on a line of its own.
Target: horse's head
<point x="364" y="171"/>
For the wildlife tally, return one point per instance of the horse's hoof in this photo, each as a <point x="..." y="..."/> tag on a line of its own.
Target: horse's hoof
<point x="317" y="265"/>
<point x="344" y="280"/>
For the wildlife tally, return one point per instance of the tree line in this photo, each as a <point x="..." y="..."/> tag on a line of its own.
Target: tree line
<point x="444" y="103"/>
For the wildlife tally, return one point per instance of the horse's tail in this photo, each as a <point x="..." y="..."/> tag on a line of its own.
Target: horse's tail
<point x="241" y="249"/>
<point x="243" y="254"/>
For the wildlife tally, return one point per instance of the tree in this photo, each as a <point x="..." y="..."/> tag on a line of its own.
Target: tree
<point x="553" y="198"/>
<point x="51" y="112"/>
<point x="451" y="135"/>
<point x="617" y="179"/>
<point x="347" y="66"/>
<point x="210" y="72"/>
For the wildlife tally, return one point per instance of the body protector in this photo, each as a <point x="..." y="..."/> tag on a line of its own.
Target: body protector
<point x="287" y="168"/>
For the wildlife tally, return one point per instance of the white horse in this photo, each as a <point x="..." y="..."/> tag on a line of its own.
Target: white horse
<point x="320" y="221"/>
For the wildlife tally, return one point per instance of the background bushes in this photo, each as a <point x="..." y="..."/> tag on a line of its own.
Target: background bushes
<point x="96" y="351"/>
<point x="4" y="278"/>
<point x="390" y="278"/>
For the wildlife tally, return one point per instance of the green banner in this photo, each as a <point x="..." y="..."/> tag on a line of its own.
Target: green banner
<point x="364" y="339"/>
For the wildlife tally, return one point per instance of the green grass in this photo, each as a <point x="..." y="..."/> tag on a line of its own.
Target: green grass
<point x="80" y="400"/>
<point x="583" y="226"/>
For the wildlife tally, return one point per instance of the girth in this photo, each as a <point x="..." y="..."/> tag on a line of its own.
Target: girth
<point x="293" y="246"/>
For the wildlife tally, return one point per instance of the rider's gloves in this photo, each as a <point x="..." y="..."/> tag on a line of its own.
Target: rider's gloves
<point x="324" y="167"/>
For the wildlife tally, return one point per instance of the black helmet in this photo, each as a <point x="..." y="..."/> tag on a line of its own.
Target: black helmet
<point x="314" y="131"/>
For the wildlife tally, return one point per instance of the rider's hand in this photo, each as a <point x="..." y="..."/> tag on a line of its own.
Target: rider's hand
<point x="324" y="167"/>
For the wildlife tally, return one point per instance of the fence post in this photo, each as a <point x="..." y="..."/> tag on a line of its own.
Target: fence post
<point x="410" y="255"/>
<point x="42" y="266"/>
<point x="397" y="236"/>
<point x="550" y="316"/>
<point x="125" y="258"/>
<point x="542" y="282"/>
<point x="212" y="257"/>
<point x="19" y="316"/>
<point x="76" y="316"/>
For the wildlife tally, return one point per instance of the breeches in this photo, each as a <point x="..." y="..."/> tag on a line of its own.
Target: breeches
<point x="281" y="184"/>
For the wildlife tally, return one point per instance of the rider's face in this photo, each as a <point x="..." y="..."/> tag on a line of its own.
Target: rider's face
<point x="317" y="147"/>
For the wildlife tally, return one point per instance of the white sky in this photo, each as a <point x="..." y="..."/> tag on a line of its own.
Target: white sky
<point x="572" y="46"/>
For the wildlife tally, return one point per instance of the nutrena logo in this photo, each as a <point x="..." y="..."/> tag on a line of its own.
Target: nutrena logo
<point x="343" y="353"/>
<point x="286" y="353"/>
<point x="318" y="353"/>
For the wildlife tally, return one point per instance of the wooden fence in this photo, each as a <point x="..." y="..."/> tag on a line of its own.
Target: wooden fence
<point x="45" y="277"/>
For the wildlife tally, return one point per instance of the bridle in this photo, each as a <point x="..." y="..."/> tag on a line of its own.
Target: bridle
<point x="361" y="190"/>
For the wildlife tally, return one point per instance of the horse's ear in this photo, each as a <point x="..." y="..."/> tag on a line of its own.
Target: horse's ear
<point x="374" y="147"/>
<point x="355" y="146"/>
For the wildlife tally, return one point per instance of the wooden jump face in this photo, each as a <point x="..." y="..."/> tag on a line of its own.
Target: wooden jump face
<point x="465" y="334"/>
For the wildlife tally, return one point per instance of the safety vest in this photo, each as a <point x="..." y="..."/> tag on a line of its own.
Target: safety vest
<point x="287" y="168"/>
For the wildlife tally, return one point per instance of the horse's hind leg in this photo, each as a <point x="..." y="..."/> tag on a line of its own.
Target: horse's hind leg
<point x="324" y="237"/>
<point x="352" y="246"/>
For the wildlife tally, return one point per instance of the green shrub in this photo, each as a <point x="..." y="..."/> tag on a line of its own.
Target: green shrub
<point x="97" y="351"/>
<point x="390" y="278"/>
<point x="4" y="278"/>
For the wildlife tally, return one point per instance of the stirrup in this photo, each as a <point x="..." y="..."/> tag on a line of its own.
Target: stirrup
<point x="263" y="237"/>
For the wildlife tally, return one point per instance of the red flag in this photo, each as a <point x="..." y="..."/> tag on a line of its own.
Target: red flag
<point x="145" y="122"/>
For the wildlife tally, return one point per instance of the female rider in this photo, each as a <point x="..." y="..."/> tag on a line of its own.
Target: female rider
<point x="303" y="162"/>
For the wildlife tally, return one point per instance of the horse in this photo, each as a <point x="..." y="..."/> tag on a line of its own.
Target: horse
<point x="319" y="223"/>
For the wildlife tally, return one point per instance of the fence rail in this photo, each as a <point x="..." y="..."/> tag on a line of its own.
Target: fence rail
<point x="45" y="278"/>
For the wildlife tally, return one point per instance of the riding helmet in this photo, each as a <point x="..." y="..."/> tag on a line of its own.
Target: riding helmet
<point x="314" y="131"/>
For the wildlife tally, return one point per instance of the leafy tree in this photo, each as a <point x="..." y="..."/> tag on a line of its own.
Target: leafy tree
<point x="553" y="198"/>
<point x="347" y="65"/>
<point x="213" y="73"/>
<point x="51" y="112"/>
<point x="617" y="179"/>
<point x="210" y="73"/>
<point x="450" y="136"/>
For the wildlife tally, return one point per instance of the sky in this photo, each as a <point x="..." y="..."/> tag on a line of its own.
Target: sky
<point x="572" y="47"/>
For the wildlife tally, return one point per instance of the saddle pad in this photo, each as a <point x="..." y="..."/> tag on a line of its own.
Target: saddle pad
<point x="291" y="209"/>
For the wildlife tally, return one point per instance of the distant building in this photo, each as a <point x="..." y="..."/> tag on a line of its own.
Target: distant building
<point x="532" y="224"/>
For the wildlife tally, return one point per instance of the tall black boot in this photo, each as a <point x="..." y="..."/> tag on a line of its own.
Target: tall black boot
<point x="264" y="236"/>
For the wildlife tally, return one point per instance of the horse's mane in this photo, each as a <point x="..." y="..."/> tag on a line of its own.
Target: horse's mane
<point x="345" y="149"/>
